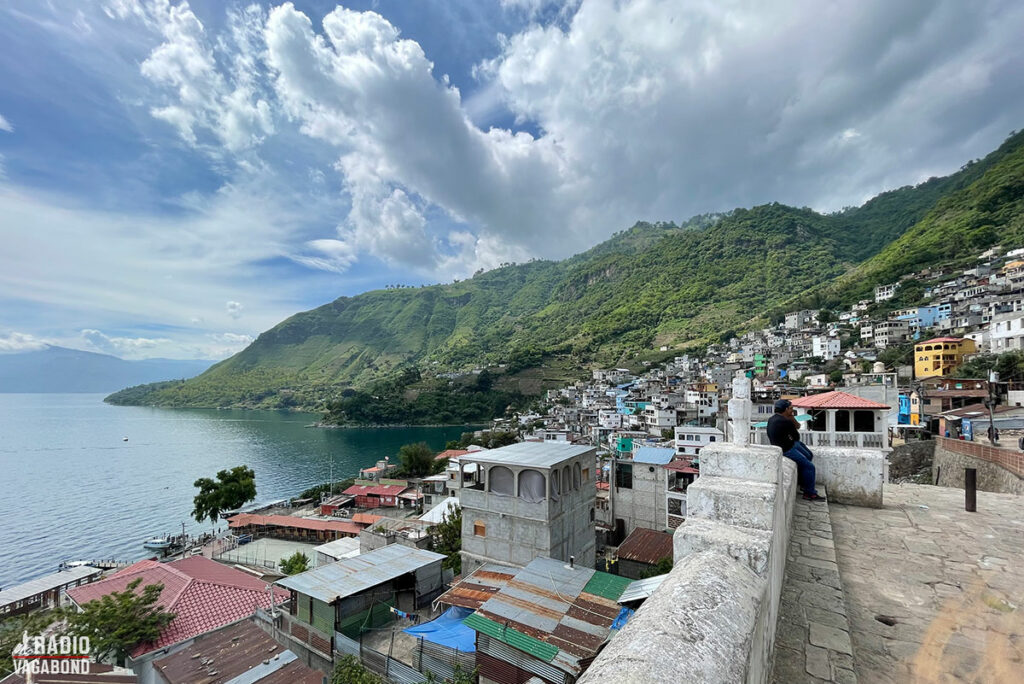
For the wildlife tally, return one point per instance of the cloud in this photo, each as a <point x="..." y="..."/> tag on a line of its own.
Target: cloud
<point x="234" y="309"/>
<point x="120" y="346"/>
<point x="15" y="342"/>
<point x="5" y="125"/>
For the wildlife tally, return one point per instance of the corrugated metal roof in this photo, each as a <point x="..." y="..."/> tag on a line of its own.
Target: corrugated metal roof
<point x="346" y="547"/>
<point x="238" y="652"/>
<point x="607" y="586"/>
<point x="654" y="455"/>
<point x="353" y="575"/>
<point x="537" y="454"/>
<point x="437" y="513"/>
<point x="512" y="637"/>
<point x="642" y="589"/>
<point x="550" y="603"/>
<point x="20" y="592"/>
<point x="475" y="590"/>
<point x="646" y="546"/>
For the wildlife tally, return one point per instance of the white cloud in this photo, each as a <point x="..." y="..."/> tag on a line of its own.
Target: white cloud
<point x="15" y="342"/>
<point x="234" y="309"/>
<point x="5" y="125"/>
<point x="120" y="346"/>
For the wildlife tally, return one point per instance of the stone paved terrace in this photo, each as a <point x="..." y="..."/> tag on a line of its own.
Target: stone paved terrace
<point x="813" y="643"/>
<point x="933" y="593"/>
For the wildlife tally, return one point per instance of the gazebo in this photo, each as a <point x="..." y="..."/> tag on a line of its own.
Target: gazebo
<point x="839" y="419"/>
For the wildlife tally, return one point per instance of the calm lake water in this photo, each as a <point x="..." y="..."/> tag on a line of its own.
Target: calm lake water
<point x="72" y="488"/>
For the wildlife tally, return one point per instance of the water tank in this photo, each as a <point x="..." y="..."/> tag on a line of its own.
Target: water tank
<point x="878" y="367"/>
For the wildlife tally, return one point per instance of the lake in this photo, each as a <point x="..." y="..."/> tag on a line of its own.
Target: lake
<point x="72" y="488"/>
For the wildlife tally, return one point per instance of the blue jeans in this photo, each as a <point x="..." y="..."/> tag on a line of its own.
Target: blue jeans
<point x="799" y="453"/>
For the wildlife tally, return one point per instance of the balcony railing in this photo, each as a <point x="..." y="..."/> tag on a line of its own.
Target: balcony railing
<point x="850" y="440"/>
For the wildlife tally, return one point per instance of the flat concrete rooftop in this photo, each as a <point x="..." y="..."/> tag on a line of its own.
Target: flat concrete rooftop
<point x="934" y="594"/>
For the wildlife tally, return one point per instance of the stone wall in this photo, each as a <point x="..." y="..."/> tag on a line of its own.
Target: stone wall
<point x="995" y="466"/>
<point x="912" y="461"/>
<point x="851" y="476"/>
<point x="714" y="617"/>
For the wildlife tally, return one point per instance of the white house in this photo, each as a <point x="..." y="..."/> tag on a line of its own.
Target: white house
<point x="886" y="292"/>
<point x="690" y="439"/>
<point x="826" y="348"/>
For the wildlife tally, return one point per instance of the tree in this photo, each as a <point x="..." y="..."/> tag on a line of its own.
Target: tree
<point x="121" y="620"/>
<point x="232" y="489"/>
<point x="826" y="316"/>
<point x="416" y="459"/>
<point x="350" y="671"/>
<point x="446" y="538"/>
<point x="663" y="566"/>
<point x="295" y="563"/>
<point x="12" y="629"/>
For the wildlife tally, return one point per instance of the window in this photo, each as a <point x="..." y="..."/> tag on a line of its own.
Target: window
<point x="531" y="486"/>
<point x="711" y="439"/>
<point x="566" y="481"/>
<point x="556" y="488"/>
<point x="592" y="516"/>
<point x="819" y="421"/>
<point x="842" y="421"/>
<point x="624" y="475"/>
<point x="863" y="421"/>
<point x="479" y="529"/>
<point x="501" y="481"/>
<point x="586" y="474"/>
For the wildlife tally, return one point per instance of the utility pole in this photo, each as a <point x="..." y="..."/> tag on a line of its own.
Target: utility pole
<point x="993" y="380"/>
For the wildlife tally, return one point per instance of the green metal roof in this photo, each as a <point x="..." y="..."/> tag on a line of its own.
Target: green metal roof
<point x="524" y="642"/>
<point x="607" y="585"/>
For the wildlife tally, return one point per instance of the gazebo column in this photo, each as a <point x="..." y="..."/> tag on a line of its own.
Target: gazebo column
<point x="830" y="426"/>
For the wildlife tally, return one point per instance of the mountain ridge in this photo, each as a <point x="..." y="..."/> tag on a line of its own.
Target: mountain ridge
<point x="57" y="369"/>
<point x="651" y="285"/>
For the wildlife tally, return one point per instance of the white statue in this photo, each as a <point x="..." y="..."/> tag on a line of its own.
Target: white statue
<point x="740" y="410"/>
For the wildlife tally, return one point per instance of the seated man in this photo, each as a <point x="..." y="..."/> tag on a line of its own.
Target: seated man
<point x="783" y="433"/>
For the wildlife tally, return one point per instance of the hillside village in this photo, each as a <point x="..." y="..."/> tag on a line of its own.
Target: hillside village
<point x="437" y="575"/>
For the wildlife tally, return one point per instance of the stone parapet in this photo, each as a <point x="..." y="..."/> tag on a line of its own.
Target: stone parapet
<point x="714" y="617"/>
<point x="852" y="476"/>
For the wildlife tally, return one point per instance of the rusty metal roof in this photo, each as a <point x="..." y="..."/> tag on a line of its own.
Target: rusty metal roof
<point x="473" y="591"/>
<point x="646" y="546"/>
<point x="546" y="610"/>
<point x="237" y="649"/>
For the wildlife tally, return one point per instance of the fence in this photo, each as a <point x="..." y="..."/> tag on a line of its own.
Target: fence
<point x="391" y="669"/>
<point x="442" y="661"/>
<point x="1007" y="458"/>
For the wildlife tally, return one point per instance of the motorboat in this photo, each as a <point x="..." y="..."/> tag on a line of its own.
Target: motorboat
<point x="157" y="544"/>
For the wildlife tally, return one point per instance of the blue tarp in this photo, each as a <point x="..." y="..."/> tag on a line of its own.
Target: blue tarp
<point x="622" y="618"/>
<point x="448" y="630"/>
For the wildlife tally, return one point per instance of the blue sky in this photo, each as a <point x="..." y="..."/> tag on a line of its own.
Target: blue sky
<point x="177" y="177"/>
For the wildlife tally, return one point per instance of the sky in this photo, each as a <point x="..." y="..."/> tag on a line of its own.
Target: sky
<point x="177" y="177"/>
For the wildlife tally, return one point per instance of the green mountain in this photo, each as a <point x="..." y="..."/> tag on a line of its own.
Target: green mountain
<point x="648" y="286"/>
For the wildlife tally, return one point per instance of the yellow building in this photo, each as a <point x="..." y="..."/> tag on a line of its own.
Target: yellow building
<point x="940" y="356"/>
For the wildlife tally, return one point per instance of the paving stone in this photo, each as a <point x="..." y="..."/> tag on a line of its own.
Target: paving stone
<point x="845" y="676"/>
<point x="817" y="663"/>
<point x="818" y="541"/>
<point x="826" y="617"/>
<point x="830" y="637"/>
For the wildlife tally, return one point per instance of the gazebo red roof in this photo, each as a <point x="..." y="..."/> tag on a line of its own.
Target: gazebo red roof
<point x="837" y="400"/>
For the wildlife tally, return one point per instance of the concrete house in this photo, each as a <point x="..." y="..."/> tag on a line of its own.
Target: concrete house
<point x="638" y="496"/>
<point x="531" y="499"/>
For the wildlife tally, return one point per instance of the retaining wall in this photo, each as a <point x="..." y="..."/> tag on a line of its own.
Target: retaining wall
<point x="999" y="470"/>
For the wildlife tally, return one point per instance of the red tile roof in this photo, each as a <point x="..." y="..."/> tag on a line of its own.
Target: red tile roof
<point x="202" y="594"/>
<point x="603" y="485"/>
<point x="375" y="490"/>
<point x="366" y="518"/>
<point x="243" y="519"/>
<point x="452" y="454"/>
<point x="837" y="400"/>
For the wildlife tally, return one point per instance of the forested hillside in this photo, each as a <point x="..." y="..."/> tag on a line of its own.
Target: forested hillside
<point x="651" y="285"/>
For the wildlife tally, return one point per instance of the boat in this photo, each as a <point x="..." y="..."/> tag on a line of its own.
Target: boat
<point x="157" y="544"/>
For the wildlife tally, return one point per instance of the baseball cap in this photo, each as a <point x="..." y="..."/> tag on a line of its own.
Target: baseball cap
<point x="782" y="404"/>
